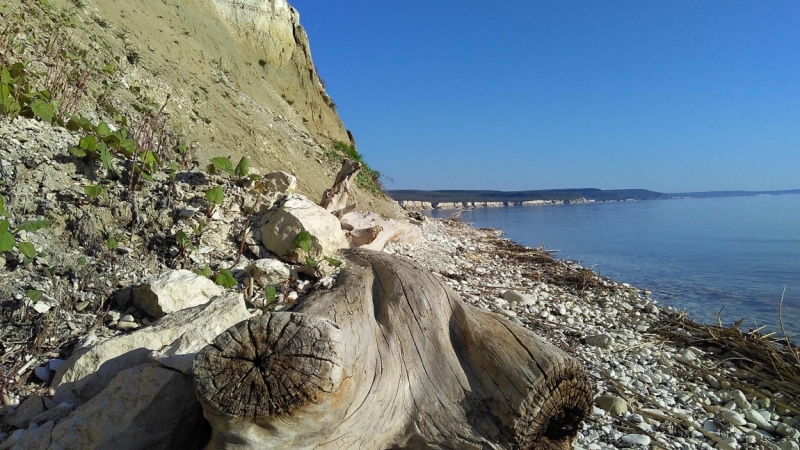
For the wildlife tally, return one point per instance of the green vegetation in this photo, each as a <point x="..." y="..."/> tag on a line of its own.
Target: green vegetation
<point x="303" y="242"/>
<point x="368" y="179"/>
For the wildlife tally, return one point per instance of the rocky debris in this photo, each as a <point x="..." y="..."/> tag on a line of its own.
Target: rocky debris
<point x="298" y="214"/>
<point x="175" y="338"/>
<point x="173" y="291"/>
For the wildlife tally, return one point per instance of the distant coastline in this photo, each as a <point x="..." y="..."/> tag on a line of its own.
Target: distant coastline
<point x="454" y="199"/>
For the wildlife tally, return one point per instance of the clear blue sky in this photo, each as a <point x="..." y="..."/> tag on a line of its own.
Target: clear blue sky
<point x="665" y="95"/>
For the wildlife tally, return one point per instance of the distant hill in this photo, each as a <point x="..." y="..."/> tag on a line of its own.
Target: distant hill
<point x="520" y="196"/>
<point x="713" y="194"/>
<point x="566" y="195"/>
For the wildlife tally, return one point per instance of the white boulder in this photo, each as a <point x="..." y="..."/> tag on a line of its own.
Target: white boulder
<point x="174" y="291"/>
<point x="296" y="215"/>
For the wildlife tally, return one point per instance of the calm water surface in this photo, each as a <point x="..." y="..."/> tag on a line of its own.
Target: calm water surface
<point x="733" y="252"/>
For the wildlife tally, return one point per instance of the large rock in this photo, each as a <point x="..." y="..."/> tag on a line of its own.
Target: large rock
<point x="144" y="407"/>
<point x="90" y="369"/>
<point x="174" y="291"/>
<point x="280" y="182"/>
<point x="296" y="215"/>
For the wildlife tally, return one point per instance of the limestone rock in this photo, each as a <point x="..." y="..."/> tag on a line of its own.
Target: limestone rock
<point x="25" y="412"/>
<point x="174" y="291"/>
<point x="296" y="215"/>
<point x="522" y="299"/>
<point x="143" y="407"/>
<point x="612" y="404"/>
<point x="89" y="370"/>
<point x="37" y="438"/>
<point x="280" y="182"/>
<point x="266" y="272"/>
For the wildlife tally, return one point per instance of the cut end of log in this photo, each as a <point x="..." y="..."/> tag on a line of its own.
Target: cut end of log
<point x="563" y="401"/>
<point x="269" y="366"/>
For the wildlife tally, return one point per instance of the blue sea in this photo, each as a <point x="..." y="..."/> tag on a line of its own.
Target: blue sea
<point x="736" y="252"/>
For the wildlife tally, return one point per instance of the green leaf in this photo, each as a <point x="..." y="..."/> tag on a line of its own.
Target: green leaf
<point x="270" y="293"/>
<point x="243" y="168"/>
<point x="94" y="191"/>
<point x="254" y="176"/>
<point x="34" y="225"/>
<point x="35" y="295"/>
<point x="77" y="152"/>
<point x="82" y="260"/>
<point x="225" y="279"/>
<point x="2" y="205"/>
<point x="105" y="157"/>
<point x="4" y="226"/>
<point x="6" y="241"/>
<point x="111" y="243"/>
<point x="205" y="271"/>
<point x="88" y="143"/>
<point x="333" y="262"/>
<point x="303" y="240"/>
<point x="43" y="110"/>
<point x="182" y="239"/>
<point x="27" y="249"/>
<point x="310" y="262"/>
<point x="223" y="164"/>
<point x="215" y="195"/>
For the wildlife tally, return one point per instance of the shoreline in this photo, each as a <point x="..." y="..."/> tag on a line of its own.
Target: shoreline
<point x="662" y="380"/>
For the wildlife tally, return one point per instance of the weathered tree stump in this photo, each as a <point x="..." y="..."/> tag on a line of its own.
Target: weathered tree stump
<point x="335" y="198"/>
<point x="389" y="358"/>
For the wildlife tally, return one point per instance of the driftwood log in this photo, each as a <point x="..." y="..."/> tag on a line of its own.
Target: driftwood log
<point x="389" y="358"/>
<point x="335" y="198"/>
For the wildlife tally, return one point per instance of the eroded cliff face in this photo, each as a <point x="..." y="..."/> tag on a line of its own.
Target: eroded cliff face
<point x="239" y="76"/>
<point x="272" y="27"/>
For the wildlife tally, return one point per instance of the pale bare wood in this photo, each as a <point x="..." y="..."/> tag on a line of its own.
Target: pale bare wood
<point x="363" y="236"/>
<point x="389" y="358"/>
<point x="335" y="198"/>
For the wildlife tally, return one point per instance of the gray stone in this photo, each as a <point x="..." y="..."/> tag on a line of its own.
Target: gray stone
<point x="732" y="417"/>
<point x="755" y="417"/>
<point x="522" y="299"/>
<point x="42" y="373"/>
<point x="787" y="431"/>
<point x="599" y="340"/>
<point x="268" y="272"/>
<point x="636" y="439"/>
<point x="612" y="404"/>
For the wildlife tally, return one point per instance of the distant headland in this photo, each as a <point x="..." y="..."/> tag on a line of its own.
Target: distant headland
<point x="450" y="199"/>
